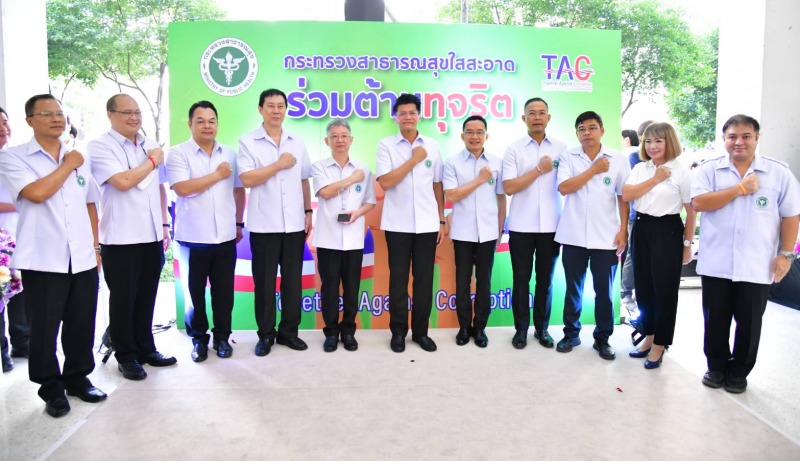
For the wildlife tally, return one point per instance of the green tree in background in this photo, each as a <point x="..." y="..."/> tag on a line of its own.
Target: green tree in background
<point x="124" y="41"/>
<point x="658" y="49"/>
<point x="694" y="106"/>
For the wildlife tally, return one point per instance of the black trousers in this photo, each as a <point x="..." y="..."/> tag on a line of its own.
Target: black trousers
<point x="132" y="273"/>
<point x="481" y="257"/>
<point x="603" y="264"/>
<point x="215" y="265"/>
<point x="523" y="246"/>
<point x="415" y="252"/>
<point x="335" y="267"/>
<point x="18" y="327"/>
<point x="269" y="250"/>
<point x="724" y="300"/>
<point x="657" y="259"/>
<point x="56" y="300"/>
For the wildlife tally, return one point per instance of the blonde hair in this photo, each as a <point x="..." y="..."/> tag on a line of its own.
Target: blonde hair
<point x="666" y="132"/>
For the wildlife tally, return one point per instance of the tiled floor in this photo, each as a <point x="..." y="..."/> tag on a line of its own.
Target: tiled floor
<point x="456" y="403"/>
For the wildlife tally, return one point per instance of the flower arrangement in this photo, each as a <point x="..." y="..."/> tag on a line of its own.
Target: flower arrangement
<point x="10" y="279"/>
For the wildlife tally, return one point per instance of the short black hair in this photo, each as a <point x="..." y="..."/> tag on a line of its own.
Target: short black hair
<point x="3" y="111"/>
<point x="204" y="105"/>
<point x="588" y="115"/>
<point x="632" y="135"/>
<point x="407" y="98"/>
<point x="269" y="93"/>
<point x="524" y="106"/>
<point x="741" y="119"/>
<point x="73" y="131"/>
<point x="473" y="118"/>
<point x="31" y="103"/>
<point x="111" y="104"/>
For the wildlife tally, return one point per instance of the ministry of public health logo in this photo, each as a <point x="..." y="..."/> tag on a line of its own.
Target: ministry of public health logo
<point x="228" y="66"/>
<point x="491" y="181"/>
<point x="762" y="202"/>
<point x="428" y="163"/>
<point x="607" y="181"/>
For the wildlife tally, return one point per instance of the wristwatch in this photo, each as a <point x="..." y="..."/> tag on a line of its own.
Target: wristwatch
<point x="791" y="256"/>
<point x="687" y="243"/>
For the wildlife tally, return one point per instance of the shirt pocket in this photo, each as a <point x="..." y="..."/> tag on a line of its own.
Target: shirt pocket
<point x="764" y="200"/>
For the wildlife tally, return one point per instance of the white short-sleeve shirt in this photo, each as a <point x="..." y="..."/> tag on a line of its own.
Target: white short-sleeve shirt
<point x="328" y="232"/>
<point x="668" y="196"/>
<point x="739" y="241"/>
<point x="537" y="208"/>
<point x="590" y="217"/>
<point x="57" y="234"/>
<point x="277" y="204"/>
<point x="410" y="206"/>
<point x="210" y="216"/>
<point x="131" y="216"/>
<point x="474" y="217"/>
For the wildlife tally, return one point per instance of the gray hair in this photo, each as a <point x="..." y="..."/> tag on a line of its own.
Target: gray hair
<point x="335" y="123"/>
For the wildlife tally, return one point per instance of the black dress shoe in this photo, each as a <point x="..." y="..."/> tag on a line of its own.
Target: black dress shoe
<point x="57" y="407"/>
<point x="19" y="353"/>
<point x="350" y="342"/>
<point x="157" y="359"/>
<point x="481" y="340"/>
<point x="544" y="338"/>
<point x="425" y="342"/>
<point x="89" y="394"/>
<point x="263" y="346"/>
<point x="294" y="343"/>
<point x="223" y="348"/>
<point x="462" y="337"/>
<point x="566" y="344"/>
<point x="132" y="370"/>
<point x="520" y="339"/>
<point x="331" y="344"/>
<point x="8" y="364"/>
<point x="714" y="379"/>
<point x="735" y="384"/>
<point x="606" y="351"/>
<point x="199" y="352"/>
<point x="398" y="343"/>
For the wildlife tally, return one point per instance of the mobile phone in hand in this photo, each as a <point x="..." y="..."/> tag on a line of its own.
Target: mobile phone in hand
<point x="343" y="217"/>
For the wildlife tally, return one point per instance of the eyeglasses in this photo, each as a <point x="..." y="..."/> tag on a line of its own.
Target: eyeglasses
<point x="48" y="114"/>
<point x="212" y="122"/>
<point x="591" y="129"/>
<point x="413" y="113"/>
<point x="335" y="138"/>
<point x="470" y="133"/>
<point x="128" y="113"/>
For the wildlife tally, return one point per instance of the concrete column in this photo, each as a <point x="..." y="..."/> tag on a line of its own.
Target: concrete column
<point x="23" y="60"/>
<point x="759" y="43"/>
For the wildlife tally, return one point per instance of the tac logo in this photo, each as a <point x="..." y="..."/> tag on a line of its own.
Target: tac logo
<point x="607" y="181"/>
<point x="762" y="202"/>
<point x="228" y="66"/>
<point x="358" y="187"/>
<point x="565" y="74"/>
<point x="428" y="163"/>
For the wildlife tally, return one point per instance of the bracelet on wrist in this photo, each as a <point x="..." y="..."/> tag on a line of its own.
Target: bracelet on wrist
<point x="152" y="161"/>
<point x="165" y="225"/>
<point x="741" y="186"/>
<point x="442" y="222"/>
<point x="240" y="224"/>
<point x="309" y="211"/>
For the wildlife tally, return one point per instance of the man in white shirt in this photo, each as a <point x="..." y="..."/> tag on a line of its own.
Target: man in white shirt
<point x="472" y="183"/>
<point x="345" y="190"/>
<point x="58" y="250"/>
<point x="133" y="233"/>
<point x="593" y="229"/>
<point x="529" y="175"/>
<point x="274" y="164"/>
<point x="208" y="224"/>
<point x="409" y="169"/>
<point x="750" y="208"/>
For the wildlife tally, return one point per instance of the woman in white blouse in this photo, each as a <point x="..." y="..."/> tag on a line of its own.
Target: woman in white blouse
<point x="660" y="187"/>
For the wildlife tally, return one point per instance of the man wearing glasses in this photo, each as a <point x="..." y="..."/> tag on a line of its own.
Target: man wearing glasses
<point x="274" y="164"/>
<point x="529" y="176"/>
<point x="409" y="169"/>
<point x="56" y="194"/>
<point x="472" y="184"/>
<point x="591" y="177"/>
<point x="133" y="232"/>
<point x="208" y="225"/>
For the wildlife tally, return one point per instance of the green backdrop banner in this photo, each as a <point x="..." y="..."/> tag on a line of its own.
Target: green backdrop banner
<point x="355" y="70"/>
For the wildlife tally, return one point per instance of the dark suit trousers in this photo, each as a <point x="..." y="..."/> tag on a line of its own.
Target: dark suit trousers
<point x="416" y="252"/>
<point x="67" y="302"/>
<point x="481" y="257"/>
<point x="335" y="267"/>
<point x="523" y="246"/>
<point x="603" y="264"/>
<point x="269" y="250"/>
<point x="215" y="265"/>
